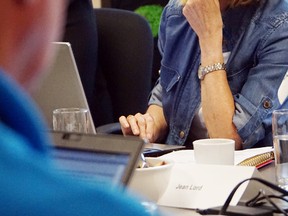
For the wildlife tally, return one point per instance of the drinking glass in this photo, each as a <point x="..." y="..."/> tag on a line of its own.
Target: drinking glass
<point x="70" y="120"/>
<point x="280" y="141"/>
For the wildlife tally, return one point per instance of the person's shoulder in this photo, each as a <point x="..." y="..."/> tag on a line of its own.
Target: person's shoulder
<point x="273" y="12"/>
<point x="174" y="7"/>
<point x="19" y="162"/>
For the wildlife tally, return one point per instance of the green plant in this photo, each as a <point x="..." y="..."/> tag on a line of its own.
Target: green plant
<point x="152" y="13"/>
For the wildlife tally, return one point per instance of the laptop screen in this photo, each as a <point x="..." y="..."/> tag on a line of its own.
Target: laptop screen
<point x="93" y="166"/>
<point x="95" y="157"/>
<point x="62" y="86"/>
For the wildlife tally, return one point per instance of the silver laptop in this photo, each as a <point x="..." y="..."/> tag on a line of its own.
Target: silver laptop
<point x="62" y="86"/>
<point x="96" y="158"/>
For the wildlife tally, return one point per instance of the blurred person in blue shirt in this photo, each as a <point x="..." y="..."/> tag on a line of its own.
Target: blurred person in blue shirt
<point x="30" y="184"/>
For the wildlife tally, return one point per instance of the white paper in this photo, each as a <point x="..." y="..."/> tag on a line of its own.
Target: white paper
<point x="203" y="186"/>
<point x="187" y="156"/>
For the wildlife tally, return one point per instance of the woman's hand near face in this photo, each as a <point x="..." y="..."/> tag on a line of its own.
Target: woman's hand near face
<point x="205" y="19"/>
<point x="150" y="126"/>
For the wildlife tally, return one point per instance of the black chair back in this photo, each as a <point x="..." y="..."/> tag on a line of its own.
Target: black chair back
<point x="125" y="64"/>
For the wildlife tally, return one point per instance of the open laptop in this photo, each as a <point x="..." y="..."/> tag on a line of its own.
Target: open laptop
<point x="97" y="158"/>
<point x="62" y="86"/>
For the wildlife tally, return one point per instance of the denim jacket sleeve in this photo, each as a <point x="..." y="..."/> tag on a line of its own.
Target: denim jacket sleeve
<point x="156" y="95"/>
<point x="264" y="88"/>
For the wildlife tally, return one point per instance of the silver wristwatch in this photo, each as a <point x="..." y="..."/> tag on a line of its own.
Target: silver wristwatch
<point x="202" y="71"/>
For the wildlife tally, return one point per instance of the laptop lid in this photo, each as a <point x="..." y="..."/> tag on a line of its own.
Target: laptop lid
<point x="62" y="86"/>
<point x="97" y="158"/>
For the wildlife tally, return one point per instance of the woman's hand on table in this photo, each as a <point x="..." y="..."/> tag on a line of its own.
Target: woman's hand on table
<point x="151" y="126"/>
<point x="141" y="125"/>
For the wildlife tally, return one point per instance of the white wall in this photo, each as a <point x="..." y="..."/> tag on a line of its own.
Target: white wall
<point x="97" y="3"/>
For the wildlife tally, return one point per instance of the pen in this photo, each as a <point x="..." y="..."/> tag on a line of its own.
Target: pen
<point x="259" y="160"/>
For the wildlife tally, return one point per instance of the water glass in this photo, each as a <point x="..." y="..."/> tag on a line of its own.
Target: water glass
<point x="280" y="141"/>
<point x="71" y="120"/>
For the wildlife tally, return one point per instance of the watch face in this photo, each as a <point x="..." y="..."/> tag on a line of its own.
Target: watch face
<point x="200" y="73"/>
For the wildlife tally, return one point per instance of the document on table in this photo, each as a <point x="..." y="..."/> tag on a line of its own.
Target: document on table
<point x="187" y="156"/>
<point x="204" y="186"/>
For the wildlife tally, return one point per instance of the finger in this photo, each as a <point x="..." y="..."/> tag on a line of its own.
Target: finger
<point x="142" y="125"/>
<point x="149" y="127"/>
<point x="125" y="126"/>
<point x="133" y="124"/>
<point x="123" y="121"/>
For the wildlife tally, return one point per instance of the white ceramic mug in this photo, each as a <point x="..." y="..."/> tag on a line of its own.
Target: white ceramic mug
<point x="214" y="151"/>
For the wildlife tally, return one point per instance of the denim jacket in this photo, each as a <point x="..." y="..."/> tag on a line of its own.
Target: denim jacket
<point x="256" y="36"/>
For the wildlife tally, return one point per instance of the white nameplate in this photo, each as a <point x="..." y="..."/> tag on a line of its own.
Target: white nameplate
<point x="203" y="186"/>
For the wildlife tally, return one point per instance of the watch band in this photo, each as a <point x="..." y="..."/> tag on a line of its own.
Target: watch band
<point x="202" y="71"/>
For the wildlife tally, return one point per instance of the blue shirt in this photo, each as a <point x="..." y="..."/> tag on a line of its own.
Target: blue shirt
<point x="256" y="37"/>
<point x="30" y="185"/>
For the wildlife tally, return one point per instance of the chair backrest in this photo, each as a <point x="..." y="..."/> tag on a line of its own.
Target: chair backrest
<point x="125" y="63"/>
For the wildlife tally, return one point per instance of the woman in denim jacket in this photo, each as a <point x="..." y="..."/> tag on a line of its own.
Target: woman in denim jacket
<point x="223" y="71"/>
